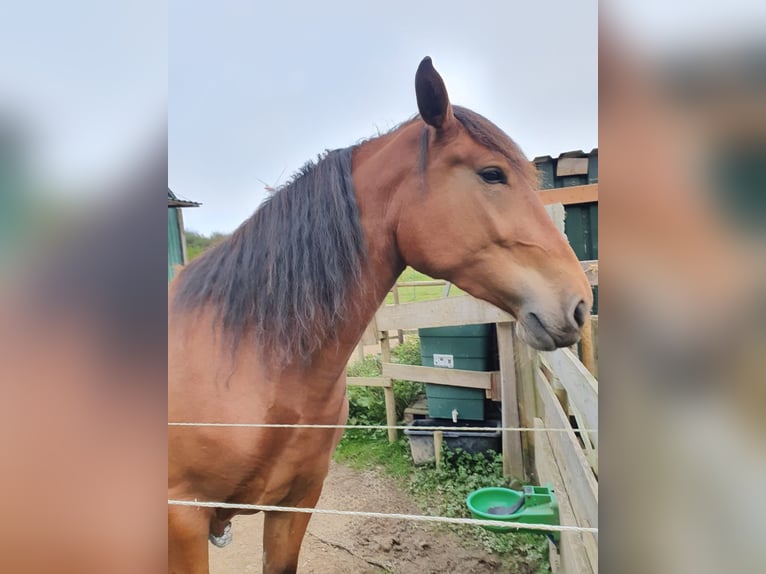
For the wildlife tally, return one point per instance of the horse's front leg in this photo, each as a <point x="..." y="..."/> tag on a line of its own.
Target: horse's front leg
<point x="283" y="534"/>
<point x="188" y="529"/>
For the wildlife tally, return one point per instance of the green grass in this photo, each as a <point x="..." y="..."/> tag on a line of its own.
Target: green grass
<point x="366" y="404"/>
<point x="412" y="294"/>
<point x="362" y="450"/>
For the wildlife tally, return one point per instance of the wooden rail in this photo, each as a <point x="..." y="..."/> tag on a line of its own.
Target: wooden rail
<point x="461" y="310"/>
<point x="440" y="376"/>
<point x="570" y="195"/>
<point x="580" y="385"/>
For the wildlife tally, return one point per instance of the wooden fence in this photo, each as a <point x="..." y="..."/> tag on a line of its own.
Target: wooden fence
<point x="540" y="390"/>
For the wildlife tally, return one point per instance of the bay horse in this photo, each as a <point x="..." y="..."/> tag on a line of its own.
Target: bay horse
<point x="261" y="326"/>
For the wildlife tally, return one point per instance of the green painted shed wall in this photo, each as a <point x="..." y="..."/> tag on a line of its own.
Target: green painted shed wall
<point x="175" y="248"/>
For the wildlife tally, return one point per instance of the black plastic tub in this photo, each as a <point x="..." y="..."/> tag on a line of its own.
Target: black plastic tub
<point x="422" y="437"/>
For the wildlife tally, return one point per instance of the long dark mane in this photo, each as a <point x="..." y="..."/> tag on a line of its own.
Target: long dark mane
<point x="286" y="276"/>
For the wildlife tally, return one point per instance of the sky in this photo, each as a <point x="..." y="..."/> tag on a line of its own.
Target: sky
<point x="258" y="88"/>
<point x="249" y="89"/>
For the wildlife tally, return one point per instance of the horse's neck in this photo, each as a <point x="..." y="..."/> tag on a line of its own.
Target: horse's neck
<point x="380" y="168"/>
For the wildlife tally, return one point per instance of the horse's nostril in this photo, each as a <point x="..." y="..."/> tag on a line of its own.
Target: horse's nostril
<point x="579" y="313"/>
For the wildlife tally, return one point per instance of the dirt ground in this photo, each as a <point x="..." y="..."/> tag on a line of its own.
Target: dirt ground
<point x="343" y="545"/>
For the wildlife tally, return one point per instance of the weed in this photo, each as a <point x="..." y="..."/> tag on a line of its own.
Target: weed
<point x="443" y="491"/>
<point x="439" y="491"/>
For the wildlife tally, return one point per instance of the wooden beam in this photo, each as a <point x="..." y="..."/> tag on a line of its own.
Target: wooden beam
<point x="594" y="339"/>
<point x="368" y="381"/>
<point x="578" y="477"/>
<point x="571" y="166"/>
<point x="586" y="345"/>
<point x="570" y="195"/>
<point x="370" y="335"/>
<point x="462" y="310"/>
<point x="527" y="362"/>
<point x="513" y="459"/>
<point x="581" y="387"/>
<point x="438" y="444"/>
<point x="399" y="333"/>
<point x="495" y="392"/>
<point x="431" y="283"/>
<point x="591" y="270"/>
<point x="439" y="376"/>
<point x="572" y="558"/>
<point x="591" y="453"/>
<point x="388" y="392"/>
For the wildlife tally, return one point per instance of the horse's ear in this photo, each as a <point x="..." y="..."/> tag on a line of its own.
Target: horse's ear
<point x="433" y="101"/>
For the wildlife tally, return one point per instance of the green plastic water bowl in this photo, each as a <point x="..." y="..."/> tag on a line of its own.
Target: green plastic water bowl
<point x="531" y="505"/>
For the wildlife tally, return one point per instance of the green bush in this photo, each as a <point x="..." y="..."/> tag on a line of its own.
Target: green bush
<point x="408" y="353"/>
<point x="441" y="491"/>
<point x="366" y="404"/>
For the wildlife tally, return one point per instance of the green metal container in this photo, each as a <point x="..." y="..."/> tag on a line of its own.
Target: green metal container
<point x="443" y="399"/>
<point x="468" y="347"/>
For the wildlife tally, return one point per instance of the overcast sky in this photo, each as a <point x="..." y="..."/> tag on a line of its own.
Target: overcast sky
<point x="256" y="88"/>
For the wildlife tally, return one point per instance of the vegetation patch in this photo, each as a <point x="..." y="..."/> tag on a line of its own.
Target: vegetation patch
<point x="439" y="491"/>
<point x="197" y="243"/>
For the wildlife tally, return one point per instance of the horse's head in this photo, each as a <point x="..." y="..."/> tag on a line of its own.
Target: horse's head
<point x="475" y="219"/>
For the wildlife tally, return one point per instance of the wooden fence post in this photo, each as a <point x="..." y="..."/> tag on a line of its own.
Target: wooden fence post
<point x="527" y="363"/>
<point x="388" y="391"/>
<point x="586" y="345"/>
<point x="438" y="447"/>
<point x="399" y="332"/>
<point x="513" y="462"/>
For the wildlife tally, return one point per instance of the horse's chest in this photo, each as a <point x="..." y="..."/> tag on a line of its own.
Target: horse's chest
<point x="290" y="463"/>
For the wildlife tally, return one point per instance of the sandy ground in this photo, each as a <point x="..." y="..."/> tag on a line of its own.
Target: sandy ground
<point x="343" y="545"/>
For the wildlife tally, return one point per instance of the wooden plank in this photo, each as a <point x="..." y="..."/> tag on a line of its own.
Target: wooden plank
<point x="581" y="485"/>
<point x="527" y="362"/>
<point x="438" y="443"/>
<point x="399" y="333"/>
<point x="586" y="345"/>
<point x="495" y="392"/>
<point x="368" y="381"/>
<point x="370" y="335"/>
<point x="390" y="401"/>
<point x="594" y="338"/>
<point x="581" y="386"/>
<point x="553" y="558"/>
<point x="590" y="267"/>
<point x="388" y="392"/>
<point x="571" y="166"/>
<point x="439" y="376"/>
<point x="572" y="557"/>
<point x="570" y="195"/>
<point x="513" y="459"/>
<point x="462" y="310"/>
<point x="431" y="283"/>
<point x="591" y="452"/>
<point x="358" y="352"/>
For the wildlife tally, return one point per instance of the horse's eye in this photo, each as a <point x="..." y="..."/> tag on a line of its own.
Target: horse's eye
<point x="493" y="175"/>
